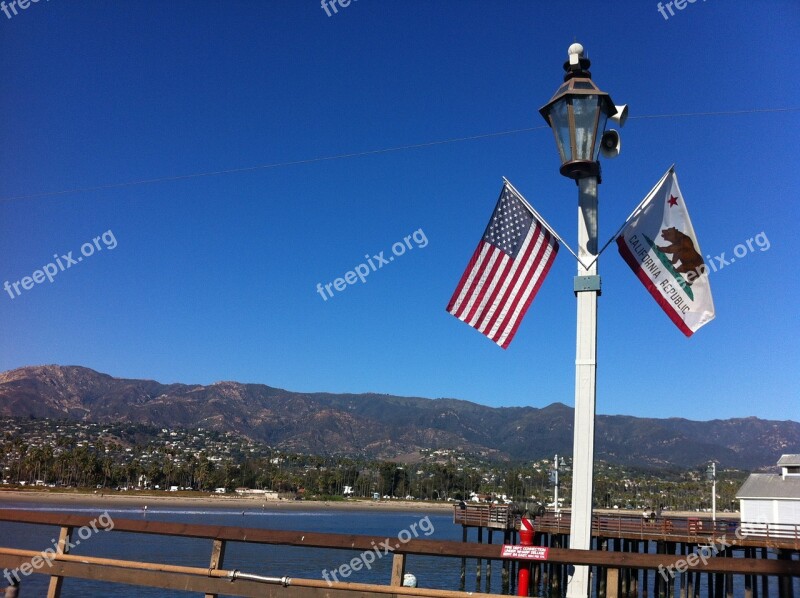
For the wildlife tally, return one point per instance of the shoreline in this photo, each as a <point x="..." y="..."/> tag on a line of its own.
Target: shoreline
<point x="112" y="499"/>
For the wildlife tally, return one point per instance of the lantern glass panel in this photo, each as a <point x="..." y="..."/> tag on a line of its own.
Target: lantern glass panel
<point x="586" y="109"/>
<point x="601" y="128"/>
<point x="559" y="120"/>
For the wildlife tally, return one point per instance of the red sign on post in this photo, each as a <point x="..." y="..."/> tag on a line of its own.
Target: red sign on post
<point x="533" y="553"/>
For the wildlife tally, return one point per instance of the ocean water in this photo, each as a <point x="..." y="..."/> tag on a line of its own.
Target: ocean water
<point x="275" y="561"/>
<point x="267" y="560"/>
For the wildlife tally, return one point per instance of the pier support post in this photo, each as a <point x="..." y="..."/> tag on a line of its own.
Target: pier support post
<point x="488" y="565"/>
<point x="54" y="589"/>
<point x="217" y="556"/>
<point x="682" y="577"/>
<point x="463" y="583"/>
<point x="672" y="586"/>
<point x="398" y="569"/>
<point x="612" y="582"/>
<point x="624" y="573"/>
<point x="479" y="564"/>
<point x="555" y="571"/>
<point x="504" y="587"/>
<point x="645" y="572"/>
<point x="601" y="571"/>
<point x="749" y="587"/>
<point x="689" y="575"/>
<point x="514" y="564"/>
<point x="785" y="589"/>
<point x="729" y="577"/>
<point x="658" y="583"/>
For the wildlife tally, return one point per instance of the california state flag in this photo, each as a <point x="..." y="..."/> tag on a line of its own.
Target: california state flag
<point x="659" y="244"/>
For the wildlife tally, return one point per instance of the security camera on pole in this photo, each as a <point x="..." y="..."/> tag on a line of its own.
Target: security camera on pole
<point x="577" y="113"/>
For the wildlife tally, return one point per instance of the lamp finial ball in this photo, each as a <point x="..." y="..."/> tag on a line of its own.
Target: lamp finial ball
<point x="575" y="48"/>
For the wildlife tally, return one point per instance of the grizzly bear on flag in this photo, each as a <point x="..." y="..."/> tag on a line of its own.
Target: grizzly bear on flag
<point x="682" y="249"/>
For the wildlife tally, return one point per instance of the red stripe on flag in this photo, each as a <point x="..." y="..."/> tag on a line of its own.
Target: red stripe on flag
<point x="510" y="317"/>
<point x="630" y="259"/>
<point x="510" y="299"/>
<point x="464" y="277"/>
<point x="487" y="305"/>
<point x="535" y="290"/>
<point x="477" y="296"/>
<point x="476" y="274"/>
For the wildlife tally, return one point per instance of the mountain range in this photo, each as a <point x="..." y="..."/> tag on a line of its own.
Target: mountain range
<point x="386" y="426"/>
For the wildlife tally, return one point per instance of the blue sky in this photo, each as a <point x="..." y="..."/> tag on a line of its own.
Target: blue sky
<point x="214" y="277"/>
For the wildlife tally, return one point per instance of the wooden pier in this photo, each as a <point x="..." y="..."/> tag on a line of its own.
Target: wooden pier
<point x="670" y="538"/>
<point x="618" y="569"/>
<point x="692" y="530"/>
<point x="492" y="517"/>
<point x="486" y="515"/>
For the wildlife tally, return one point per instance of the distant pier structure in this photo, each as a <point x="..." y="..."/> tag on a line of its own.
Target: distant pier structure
<point x="671" y="536"/>
<point x="622" y="568"/>
<point x="504" y="519"/>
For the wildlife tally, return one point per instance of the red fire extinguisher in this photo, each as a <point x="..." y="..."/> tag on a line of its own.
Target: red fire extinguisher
<point x="526" y="534"/>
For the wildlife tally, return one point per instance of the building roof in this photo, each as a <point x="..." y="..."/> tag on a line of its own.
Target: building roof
<point x="770" y="485"/>
<point x="789" y="460"/>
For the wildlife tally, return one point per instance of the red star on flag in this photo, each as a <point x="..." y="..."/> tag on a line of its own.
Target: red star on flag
<point x="673" y="201"/>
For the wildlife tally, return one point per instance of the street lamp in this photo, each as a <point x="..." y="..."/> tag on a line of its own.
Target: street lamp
<point x="711" y="476"/>
<point x="578" y="113"/>
<point x="554" y="481"/>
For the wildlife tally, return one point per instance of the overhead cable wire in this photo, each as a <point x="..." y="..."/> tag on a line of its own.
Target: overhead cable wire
<point x="373" y="152"/>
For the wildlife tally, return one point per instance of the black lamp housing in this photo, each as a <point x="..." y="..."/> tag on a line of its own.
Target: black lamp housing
<point x="577" y="113"/>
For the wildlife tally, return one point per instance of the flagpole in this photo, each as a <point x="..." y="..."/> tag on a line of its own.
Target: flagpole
<point x="647" y="198"/>
<point x="542" y="220"/>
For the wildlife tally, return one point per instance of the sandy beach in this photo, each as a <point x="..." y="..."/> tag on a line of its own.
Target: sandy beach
<point x="223" y="501"/>
<point x="206" y="500"/>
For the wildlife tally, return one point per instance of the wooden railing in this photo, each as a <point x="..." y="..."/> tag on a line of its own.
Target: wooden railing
<point x="485" y="515"/>
<point x="773" y="531"/>
<point x="680" y="529"/>
<point x="213" y="579"/>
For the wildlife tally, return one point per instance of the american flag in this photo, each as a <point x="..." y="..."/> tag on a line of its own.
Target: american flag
<point x="506" y="270"/>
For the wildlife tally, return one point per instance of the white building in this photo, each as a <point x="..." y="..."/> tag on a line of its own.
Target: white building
<point x="772" y="498"/>
<point x="265" y="494"/>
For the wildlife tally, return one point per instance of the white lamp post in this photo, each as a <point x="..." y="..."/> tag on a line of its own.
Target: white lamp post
<point x="577" y="113"/>
<point x="554" y="480"/>
<point x="711" y="475"/>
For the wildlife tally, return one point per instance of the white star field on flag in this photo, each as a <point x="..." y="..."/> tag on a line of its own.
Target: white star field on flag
<point x="509" y="224"/>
